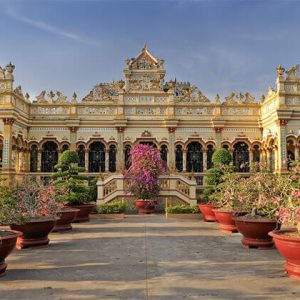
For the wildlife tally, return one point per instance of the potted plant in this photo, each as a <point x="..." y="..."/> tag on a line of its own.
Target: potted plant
<point x="143" y="177"/>
<point x="35" y="213"/>
<point x="182" y="211"/>
<point x="287" y="240"/>
<point x="265" y="193"/>
<point x="220" y="158"/>
<point x="8" y="238"/>
<point x="113" y="210"/>
<point x="77" y="195"/>
<point x="227" y="200"/>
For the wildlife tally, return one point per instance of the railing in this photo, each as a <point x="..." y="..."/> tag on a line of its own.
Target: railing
<point x="175" y="186"/>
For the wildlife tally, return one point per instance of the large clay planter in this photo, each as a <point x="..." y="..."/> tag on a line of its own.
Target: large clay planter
<point x="66" y="217"/>
<point x="207" y="212"/>
<point x="289" y="247"/>
<point x="35" y="232"/>
<point x="145" y="206"/>
<point x="84" y="212"/>
<point x="7" y="244"/>
<point x="255" y="232"/>
<point x="226" y="221"/>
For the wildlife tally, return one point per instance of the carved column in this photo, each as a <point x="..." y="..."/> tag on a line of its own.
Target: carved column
<point x="184" y="160"/>
<point x="204" y="160"/>
<point x="282" y="151"/>
<point x="120" y="153"/>
<point x="251" y="157"/>
<point x="106" y="159"/>
<point x="218" y="131"/>
<point x="26" y="167"/>
<point x="86" y="159"/>
<point x="7" y="162"/>
<point x="172" y="149"/>
<point x="73" y="137"/>
<point x="39" y="160"/>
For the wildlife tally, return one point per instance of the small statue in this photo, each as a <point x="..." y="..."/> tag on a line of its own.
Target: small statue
<point x="41" y="97"/>
<point x="74" y="98"/>
<point x="240" y="97"/>
<point x="262" y="98"/>
<point x="292" y="72"/>
<point x="229" y="99"/>
<point x="217" y="99"/>
<point x="280" y="70"/>
<point x="249" y="98"/>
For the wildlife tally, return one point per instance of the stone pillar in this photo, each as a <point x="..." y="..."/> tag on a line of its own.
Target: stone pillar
<point x="73" y="137"/>
<point x="184" y="160"/>
<point x="282" y="151"/>
<point x="86" y="159"/>
<point x="251" y="157"/>
<point x="218" y="131"/>
<point x="204" y="160"/>
<point x="26" y="161"/>
<point x="7" y="161"/>
<point x="120" y="153"/>
<point x="39" y="160"/>
<point x="172" y="149"/>
<point x="106" y="159"/>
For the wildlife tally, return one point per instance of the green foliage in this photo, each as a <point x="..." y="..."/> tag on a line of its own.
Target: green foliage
<point x="93" y="189"/>
<point x="221" y="157"/>
<point x="204" y="196"/>
<point x="111" y="208"/>
<point x="214" y="176"/>
<point x="68" y="177"/>
<point x="182" y="209"/>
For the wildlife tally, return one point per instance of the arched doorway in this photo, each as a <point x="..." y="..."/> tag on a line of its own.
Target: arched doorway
<point x="194" y="157"/>
<point x="49" y="156"/>
<point x="97" y="157"/>
<point x="33" y="158"/>
<point x="241" y="157"/>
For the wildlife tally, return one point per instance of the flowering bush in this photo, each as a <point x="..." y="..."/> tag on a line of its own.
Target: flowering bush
<point x="289" y="212"/>
<point x="142" y="175"/>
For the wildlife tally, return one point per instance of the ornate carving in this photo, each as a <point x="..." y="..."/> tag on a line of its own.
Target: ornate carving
<point x="230" y="99"/>
<point x="171" y="129"/>
<point x="146" y="133"/>
<point x="61" y="99"/>
<point x="217" y="99"/>
<point x="280" y="70"/>
<point x="249" y="99"/>
<point x="41" y="97"/>
<point x="104" y="91"/>
<point x="218" y="129"/>
<point x="293" y="72"/>
<point x="189" y="93"/>
<point x="73" y="129"/>
<point x="282" y="122"/>
<point x="8" y="121"/>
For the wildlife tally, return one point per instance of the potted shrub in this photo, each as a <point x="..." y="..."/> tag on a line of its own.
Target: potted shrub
<point x="227" y="199"/>
<point x="77" y="195"/>
<point x="113" y="210"/>
<point x="220" y="158"/>
<point x="8" y="238"/>
<point x="143" y="177"/>
<point x="265" y="193"/>
<point x="182" y="211"/>
<point x="287" y="240"/>
<point x="35" y="213"/>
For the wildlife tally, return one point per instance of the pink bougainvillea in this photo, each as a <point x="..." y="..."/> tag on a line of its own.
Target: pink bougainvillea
<point x="146" y="166"/>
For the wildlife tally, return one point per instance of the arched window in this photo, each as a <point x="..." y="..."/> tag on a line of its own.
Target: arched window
<point x="33" y="158"/>
<point x="194" y="157"/>
<point x="256" y="153"/>
<point x="241" y="157"/>
<point x="179" y="158"/>
<point x="210" y="152"/>
<point x="112" y="158"/>
<point x="164" y="153"/>
<point x="225" y="147"/>
<point x="64" y="148"/>
<point x="97" y="157"/>
<point x="81" y="155"/>
<point x="149" y="143"/>
<point x="126" y="157"/>
<point x="290" y="147"/>
<point x="49" y="156"/>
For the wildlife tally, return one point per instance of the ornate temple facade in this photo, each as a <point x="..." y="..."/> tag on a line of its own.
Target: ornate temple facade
<point x="176" y="117"/>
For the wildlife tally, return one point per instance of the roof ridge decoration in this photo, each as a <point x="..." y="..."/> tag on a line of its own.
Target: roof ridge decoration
<point x="60" y="98"/>
<point x="239" y="98"/>
<point x="185" y="92"/>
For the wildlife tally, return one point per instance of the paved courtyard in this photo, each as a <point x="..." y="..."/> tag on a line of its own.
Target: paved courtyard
<point x="146" y="257"/>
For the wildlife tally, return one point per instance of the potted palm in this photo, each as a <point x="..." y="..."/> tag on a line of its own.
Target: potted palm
<point x="220" y="159"/>
<point x="35" y="212"/>
<point x="143" y="177"/>
<point x="8" y="238"/>
<point x="287" y="240"/>
<point x="77" y="197"/>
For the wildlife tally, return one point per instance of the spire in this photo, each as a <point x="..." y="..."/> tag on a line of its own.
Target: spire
<point x="145" y="48"/>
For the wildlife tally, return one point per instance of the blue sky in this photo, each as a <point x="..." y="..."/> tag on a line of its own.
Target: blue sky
<point x="219" y="45"/>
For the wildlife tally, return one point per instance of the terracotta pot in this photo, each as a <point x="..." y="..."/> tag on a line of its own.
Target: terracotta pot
<point x="145" y="206"/>
<point x="66" y="217"/>
<point x="7" y="244"/>
<point x="207" y="211"/>
<point x="226" y="221"/>
<point x="84" y="212"/>
<point x="255" y="232"/>
<point x="35" y="232"/>
<point x="289" y="247"/>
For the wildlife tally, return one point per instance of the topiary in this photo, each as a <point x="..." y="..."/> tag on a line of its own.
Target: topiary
<point x="221" y="157"/>
<point x="68" y="177"/>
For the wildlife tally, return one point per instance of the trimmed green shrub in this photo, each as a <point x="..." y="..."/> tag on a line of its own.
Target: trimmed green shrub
<point x="182" y="209"/>
<point x="221" y="157"/>
<point x="111" y="208"/>
<point x="213" y="176"/>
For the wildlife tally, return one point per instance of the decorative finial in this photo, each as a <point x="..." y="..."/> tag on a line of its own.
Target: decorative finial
<point x="262" y="98"/>
<point x="145" y="48"/>
<point x="217" y="99"/>
<point x="280" y="70"/>
<point x="10" y="68"/>
<point x="27" y="96"/>
<point x="74" y="98"/>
